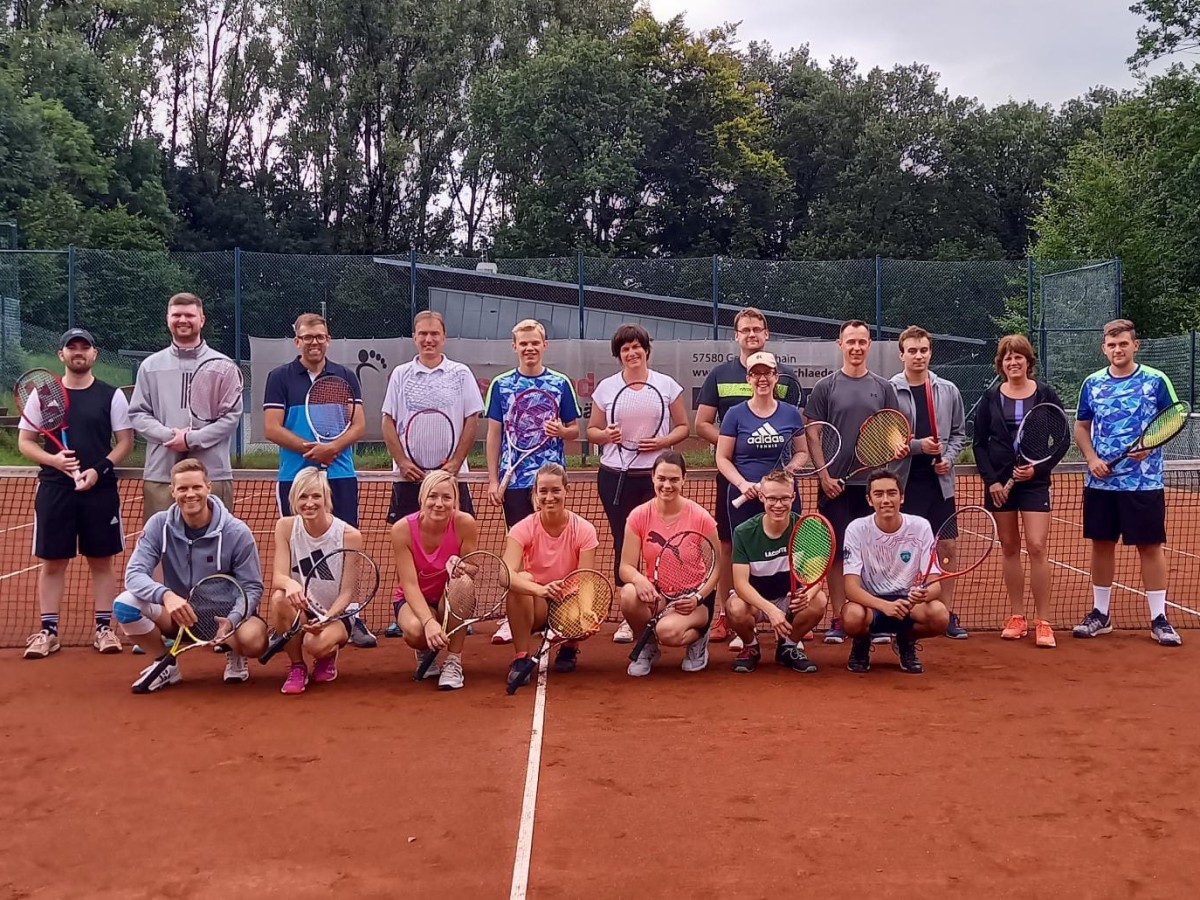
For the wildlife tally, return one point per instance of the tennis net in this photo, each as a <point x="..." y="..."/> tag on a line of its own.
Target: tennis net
<point x="980" y="597"/>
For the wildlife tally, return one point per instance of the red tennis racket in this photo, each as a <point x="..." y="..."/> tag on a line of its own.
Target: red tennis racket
<point x="961" y="544"/>
<point x="44" y="403"/>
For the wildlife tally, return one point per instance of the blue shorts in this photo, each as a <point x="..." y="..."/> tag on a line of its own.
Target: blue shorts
<point x="882" y="623"/>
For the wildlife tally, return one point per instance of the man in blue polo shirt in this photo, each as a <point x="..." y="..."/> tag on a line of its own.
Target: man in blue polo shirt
<point x="285" y="424"/>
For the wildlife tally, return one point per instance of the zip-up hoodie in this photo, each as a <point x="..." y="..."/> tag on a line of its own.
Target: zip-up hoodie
<point x="160" y="404"/>
<point x="226" y="547"/>
<point x="951" y="424"/>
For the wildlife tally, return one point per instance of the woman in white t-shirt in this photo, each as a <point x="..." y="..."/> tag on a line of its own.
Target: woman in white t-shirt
<point x="631" y="345"/>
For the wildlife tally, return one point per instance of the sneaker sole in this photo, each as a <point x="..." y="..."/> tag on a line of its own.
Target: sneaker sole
<point x="958" y="637"/>
<point x="834" y="640"/>
<point x="28" y="655"/>
<point x="1086" y="636"/>
<point x="1013" y="637"/>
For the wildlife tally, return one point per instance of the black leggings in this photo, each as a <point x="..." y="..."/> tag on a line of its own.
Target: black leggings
<point x="637" y="489"/>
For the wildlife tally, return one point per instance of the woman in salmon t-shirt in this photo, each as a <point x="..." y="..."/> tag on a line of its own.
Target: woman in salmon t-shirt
<point x="647" y="529"/>
<point x="541" y="550"/>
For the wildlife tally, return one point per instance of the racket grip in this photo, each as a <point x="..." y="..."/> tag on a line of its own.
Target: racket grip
<point x="143" y="685"/>
<point x="423" y="667"/>
<point x="276" y="644"/>
<point x="522" y="669"/>
<point x="642" y="641"/>
<point x="740" y="500"/>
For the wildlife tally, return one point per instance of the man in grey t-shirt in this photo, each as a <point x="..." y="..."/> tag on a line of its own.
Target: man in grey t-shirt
<point x="846" y="399"/>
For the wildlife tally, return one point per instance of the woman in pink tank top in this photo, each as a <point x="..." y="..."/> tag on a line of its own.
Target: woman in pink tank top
<point x="424" y="544"/>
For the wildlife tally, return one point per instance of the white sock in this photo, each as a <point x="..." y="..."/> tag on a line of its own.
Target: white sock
<point x="1158" y="603"/>
<point x="1101" y="596"/>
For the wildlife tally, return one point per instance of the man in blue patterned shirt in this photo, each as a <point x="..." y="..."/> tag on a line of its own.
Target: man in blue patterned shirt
<point x="1124" y="500"/>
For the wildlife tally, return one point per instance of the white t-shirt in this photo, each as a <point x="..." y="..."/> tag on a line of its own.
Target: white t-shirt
<point x="449" y="386"/>
<point x="888" y="564"/>
<point x="604" y="395"/>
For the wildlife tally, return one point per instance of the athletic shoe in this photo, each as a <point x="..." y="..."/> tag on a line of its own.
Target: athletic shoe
<point x="808" y="636"/>
<point x="695" y="659"/>
<point x="1043" y="634"/>
<point x="791" y="656"/>
<point x="169" y="675"/>
<point x="641" y="665"/>
<point x="451" y="678"/>
<point x="360" y="635"/>
<point x="736" y="644"/>
<point x="503" y="633"/>
<point x="881" y="638"/>
<point x="747" y="660"/>
<point x="435" y="668"/>
<point x="41" y="644"/>
<point x="1093" y="623"/>
<point x="1015" y="628"/>
<point x="565" y="658"/>
<point x="236" y="669"/>
<point x="393" y="631"/>
<point x="514" y="672"/>
<point x="297" y="679"/>
<point x="860" y="655"/>
<point x="325" y="669"/>
<point x="956" y="631"/>
<point x="835" y="634"/>
<point x="623" y="634"/>
<point x="719" y="630"/>
<point x="1161" y="631"/>
<point x="106" y="640"/>
<point x="906" y="649"/>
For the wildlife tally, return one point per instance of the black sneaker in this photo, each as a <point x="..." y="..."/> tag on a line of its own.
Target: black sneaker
<point x="791" y="656"/>
<point x="747" y="660"/>
<point x="565" y="659"/>
<point x="860" y="654"/>
<point x="360" y="635"/>
<point x="519" y="672"/>
<point x="956" y="631"/>
<point x="906" y="649"/>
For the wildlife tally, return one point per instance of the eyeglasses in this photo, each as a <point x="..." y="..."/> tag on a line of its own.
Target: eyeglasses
<point x="312" y="338"/>
<point x="751" y="330"/>
<point x="759" y="376"/>
<point x="779" y="501"/>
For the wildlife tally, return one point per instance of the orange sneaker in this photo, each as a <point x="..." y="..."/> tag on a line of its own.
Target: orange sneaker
<point x="1043" y="633"/>
<point x="1015" y="628"/>
<point x="718" y="632"/>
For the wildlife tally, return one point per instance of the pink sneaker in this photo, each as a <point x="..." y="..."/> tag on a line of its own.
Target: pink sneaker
<point x="325" y="669"/>
<point x="296" y="681"/>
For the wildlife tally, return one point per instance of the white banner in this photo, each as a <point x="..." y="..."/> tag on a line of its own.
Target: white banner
<point x="586" y="363"/>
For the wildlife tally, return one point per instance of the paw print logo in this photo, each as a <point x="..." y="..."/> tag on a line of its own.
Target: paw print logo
<point x="369" y="359"/>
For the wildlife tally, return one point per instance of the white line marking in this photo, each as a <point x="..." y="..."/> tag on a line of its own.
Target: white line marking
<point x="8" y="575"/>
<point x="520" y="875"/>
<point x="16" y="528"/>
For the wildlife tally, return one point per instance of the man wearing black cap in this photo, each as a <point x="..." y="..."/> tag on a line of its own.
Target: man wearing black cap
<point x="81" y="516"/>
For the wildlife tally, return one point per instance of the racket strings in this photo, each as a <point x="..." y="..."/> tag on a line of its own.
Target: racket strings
<point x="820" y="447"/>
<point x="881" y="437"/>
<point x="587" y="597"/>
<point x="51" y="396"/>
<point x="429" y="438"/>
<point x="788" y="391"/>
<point x="477" y="587"/>
<point x="1043" y="432"/>
<point x="811" y="550"/>
<point x="531" y="411"/>
<point x="965" y="539"/>
<point x="1166" y="425"/>
<point x="213" y="598"/>
<point x="330" y="407"/>
<point x="639" y="414"/>
<point x="683" y="566"/>
<point x="215" y="389"/>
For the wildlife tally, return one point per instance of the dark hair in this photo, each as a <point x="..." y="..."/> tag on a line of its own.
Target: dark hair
<point x="670" y="458"/>
<point x="882" y="475"/>
<point x="1018" y="344"/>
<point x="629" y="334"/>
<point x="914" y="332"/>
<point x="853" y="323"/>
<point x="1120" y="326"/>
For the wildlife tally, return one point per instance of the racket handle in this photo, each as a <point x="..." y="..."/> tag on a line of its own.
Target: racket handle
<point x="522" y="669"/>
<point x="740" y="500"/>
<point x="423" y="667"/>
<point x="503" y="486"/>
<point x="642" y="641"/>
<point x="276" y="644"/>
<point x="143" y="686"/>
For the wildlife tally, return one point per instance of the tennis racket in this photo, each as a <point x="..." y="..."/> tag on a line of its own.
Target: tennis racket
<point x="1043" y="432"/>
<point x="1164" y="427"/>
<point x="429" y="435"/>
<point x="880" y="439"/>
<point x="215" y="600"/>
<point x="214" y="390"/>
<point x="475" y="592"/>
<point x="805" y="452"/>
<point x="329" y="407"/>
<point x="683" y="566"/>
<point x="973" y="532"/>
<point x="575" y="614"/>
<point x="338" y="588"/>
<point x="811" y="550"/>
<point x="43" y="401"/>
<point x="639" y="411"/>
<point x="525" y="428"/>
<point x="931" y="411"/>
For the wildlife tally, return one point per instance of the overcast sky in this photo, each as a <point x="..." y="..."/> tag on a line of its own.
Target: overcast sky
<point x="1044" y="50"/>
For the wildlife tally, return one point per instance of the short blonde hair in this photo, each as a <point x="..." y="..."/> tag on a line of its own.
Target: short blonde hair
<point x="529" y="325"/>
<point x="308" y="319"/>
<point x="432" y="480"/>
<point x="306" y="479"/>
<point x="430" y="314"/>
<point x="189" y="465"/>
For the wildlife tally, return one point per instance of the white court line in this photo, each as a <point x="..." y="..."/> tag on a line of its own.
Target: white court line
<point x="520" y="874"/>
<point x="16" y="528"/>
<point x="8" y="575"/>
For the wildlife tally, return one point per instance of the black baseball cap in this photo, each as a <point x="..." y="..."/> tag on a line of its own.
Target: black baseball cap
<point x="72" y="334"/>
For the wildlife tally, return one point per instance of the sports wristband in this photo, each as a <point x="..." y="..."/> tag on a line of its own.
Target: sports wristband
<point x="104" y="467"/>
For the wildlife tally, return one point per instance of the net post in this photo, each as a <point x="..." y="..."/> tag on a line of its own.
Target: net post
<point x="716" y="296"/>
<point x="239" y="439"/>
<point x="878" y="297"/>
<point x="70" y="286"/>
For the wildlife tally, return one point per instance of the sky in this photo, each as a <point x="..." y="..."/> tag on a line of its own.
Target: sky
<point x="1043" y="50"/>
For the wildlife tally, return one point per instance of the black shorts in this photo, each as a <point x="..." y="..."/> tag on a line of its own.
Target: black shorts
<point x="67" y="521"/>
<point x="518" y="504"/>
<point x="345" y="499"/>
<point x="843" y="509"/>
<point x="924" y="499"/>
<point x="1025" y="496"/>
<point x="721" y="513"/>
<point x="1138" y="518"/>
<point x="406" y="499"/>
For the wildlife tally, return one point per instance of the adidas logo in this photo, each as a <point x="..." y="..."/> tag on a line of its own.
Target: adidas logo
<point x="765" y="436"/>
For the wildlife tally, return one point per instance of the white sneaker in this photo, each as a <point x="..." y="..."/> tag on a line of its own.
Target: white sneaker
<point x="106" y="641"/>
<point x="451" y="678"/>
<point x="641" y="665"/>
<point x="696" y="657"/>
<point x="623" y="634"/>
<point x="503" y="633"/>
<point x="169" y="675"/>
<point x="881" y="639"/>
<point x="41" y="644"/>
<point x="435" y="668"/>
<point x="736" y="644"/>
<point x="236" y="670"/>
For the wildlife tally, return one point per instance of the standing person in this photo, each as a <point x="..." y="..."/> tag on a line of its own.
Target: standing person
<point x="529" y="343"/>
<point x="159" y="411"/>
<point x="410" y="388"/>
<point x="1125" y="500"/>
<point x="846" y="399"/>
<point x="82" y="517"/>
<point x="285" y="424"/>
<point x="997" y="419"/>
<point x="631" y="346"/>
<point x="927" y="474"/>
<point x="724" y="388"/>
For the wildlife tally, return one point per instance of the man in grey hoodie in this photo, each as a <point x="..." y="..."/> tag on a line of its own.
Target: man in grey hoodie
<point x="196" y="537"/>
<point x="159" y="410"/>
<point x="934" y="406"/>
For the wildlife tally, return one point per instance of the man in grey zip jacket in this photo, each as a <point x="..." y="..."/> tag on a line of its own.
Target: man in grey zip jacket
<point x="927" y="473"/>
<point x="159" y="410"/>
<point x="195" y="538"/>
